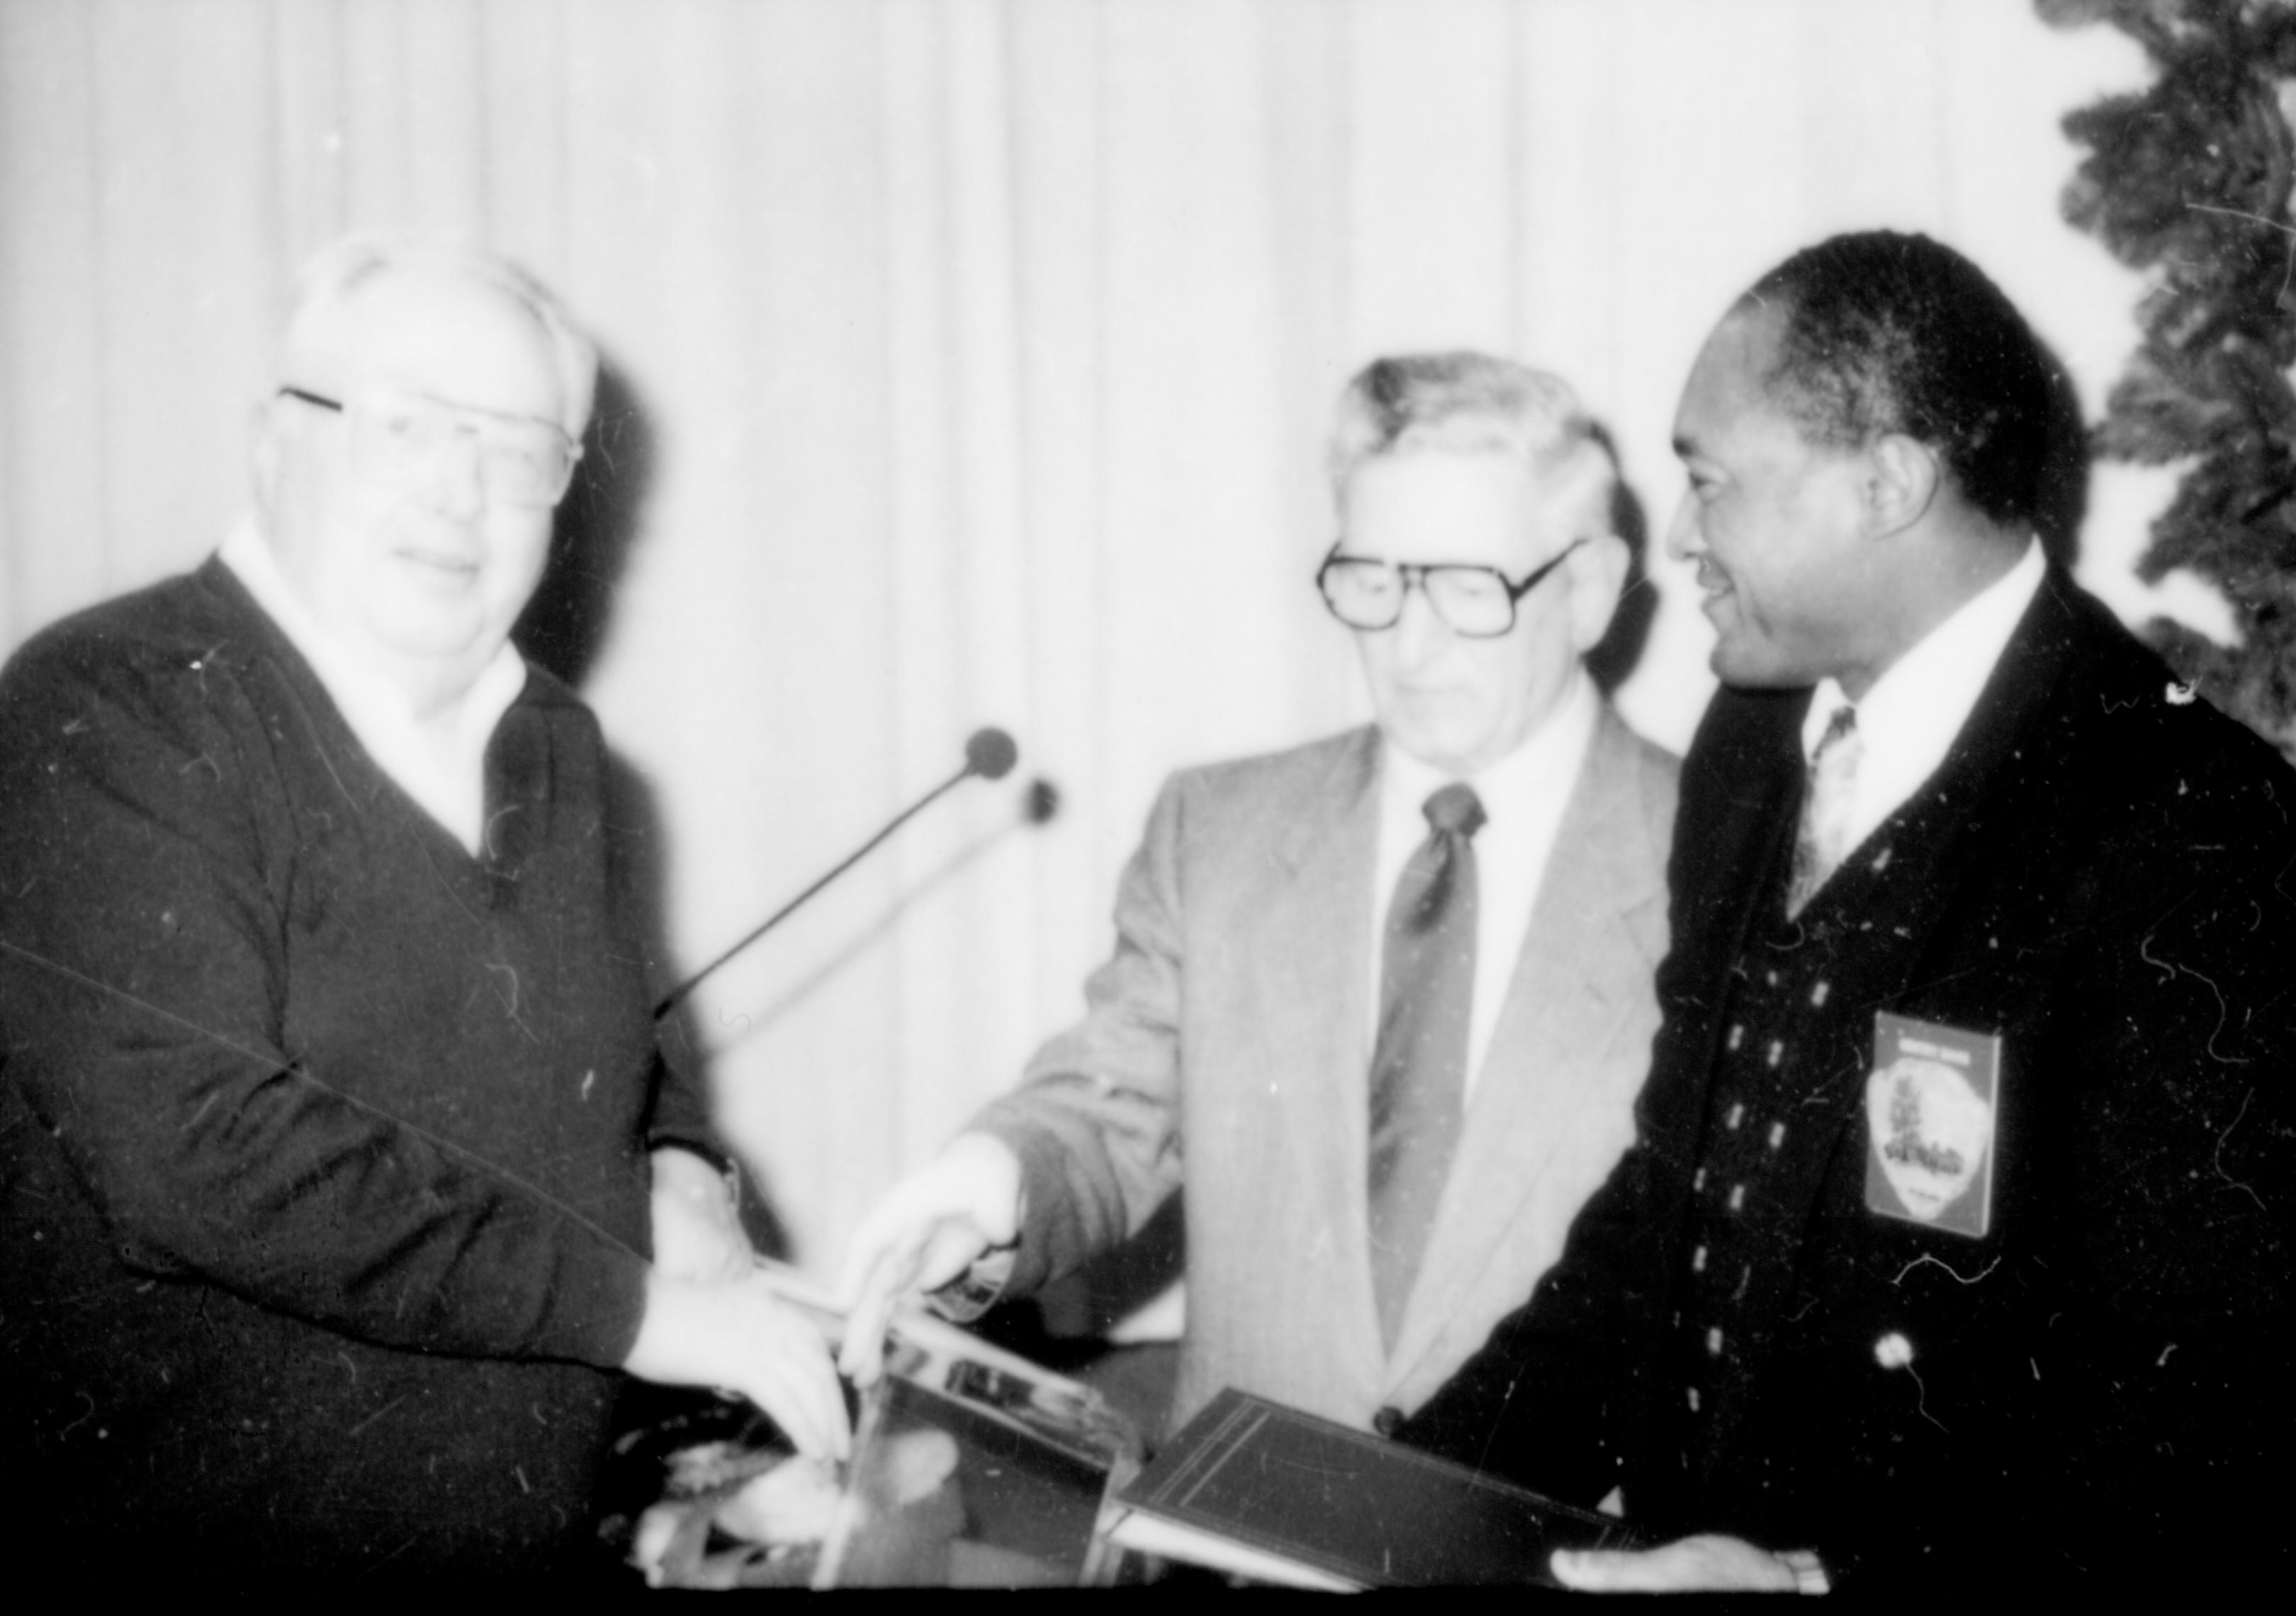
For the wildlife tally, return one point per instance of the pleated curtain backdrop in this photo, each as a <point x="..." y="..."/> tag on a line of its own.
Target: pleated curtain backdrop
<point x="969" y="362"/>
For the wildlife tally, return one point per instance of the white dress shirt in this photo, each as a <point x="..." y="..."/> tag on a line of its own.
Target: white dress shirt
<point x="1908" y="720"/>
<point x="1523" y="795"/>
<point x="442" y="765"/>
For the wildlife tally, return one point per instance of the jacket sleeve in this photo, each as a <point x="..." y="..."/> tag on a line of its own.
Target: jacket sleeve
<point x="142" y="962"/>
<point x="1095" y="1121"/>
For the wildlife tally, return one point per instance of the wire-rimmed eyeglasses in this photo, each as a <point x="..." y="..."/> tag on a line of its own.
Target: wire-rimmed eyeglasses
<point x="1477" y="602"/>
<point x="396" y="438"/>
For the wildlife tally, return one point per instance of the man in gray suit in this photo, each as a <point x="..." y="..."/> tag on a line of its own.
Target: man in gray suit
<point x="1385" y="1000"/>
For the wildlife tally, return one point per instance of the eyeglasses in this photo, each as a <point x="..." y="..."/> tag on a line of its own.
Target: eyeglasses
<point x="1477" y="602"/>
<point x="397" y="438"/>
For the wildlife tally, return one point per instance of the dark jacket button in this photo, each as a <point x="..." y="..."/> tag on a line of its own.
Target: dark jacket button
<point x="1388" y="1421"/>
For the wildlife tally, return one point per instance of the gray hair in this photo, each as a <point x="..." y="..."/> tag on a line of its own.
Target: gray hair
<point x="336" y="272"/>
<point x="1464" y="402"/>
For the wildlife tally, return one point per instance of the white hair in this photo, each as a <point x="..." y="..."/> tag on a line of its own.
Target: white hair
<point x="1463" y="402"/>
<point x="336" y="272"/>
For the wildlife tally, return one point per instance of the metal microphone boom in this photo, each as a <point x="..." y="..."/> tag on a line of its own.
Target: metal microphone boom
<point x="989" y="753"/>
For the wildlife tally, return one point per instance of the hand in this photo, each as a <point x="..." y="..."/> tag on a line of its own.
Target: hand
<point x="697" y="1230"/>
<point x="736" y="1333"/>
<point x="925" y="1233"/>
<point x="1709" y="1561"/>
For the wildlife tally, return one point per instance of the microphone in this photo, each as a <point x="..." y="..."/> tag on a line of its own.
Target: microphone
<point x="989" y="753"/>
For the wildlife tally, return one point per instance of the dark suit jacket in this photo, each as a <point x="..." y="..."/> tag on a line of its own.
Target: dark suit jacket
<point x="2100" y="872"/>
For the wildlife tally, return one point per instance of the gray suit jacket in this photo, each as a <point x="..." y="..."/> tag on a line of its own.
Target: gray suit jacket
<point x="1230" y="1037"/>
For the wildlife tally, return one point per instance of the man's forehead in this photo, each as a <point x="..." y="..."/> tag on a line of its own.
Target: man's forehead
<point x="1726" y="382"/>
<point x="1475" y="506"/>
<point x="449" y="336"/>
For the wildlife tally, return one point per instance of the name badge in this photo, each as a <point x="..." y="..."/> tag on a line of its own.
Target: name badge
<point x="1929" y="1114"/>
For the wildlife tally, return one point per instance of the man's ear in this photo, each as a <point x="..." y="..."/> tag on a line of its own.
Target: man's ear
<point x="1598" y="572"/>
<point x="1901" y="480"/>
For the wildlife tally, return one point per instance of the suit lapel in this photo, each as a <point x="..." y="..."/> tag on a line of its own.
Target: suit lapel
<point x="1881" y="920"/>
<point x="1598" y="921"/>
<point x="1312" y="1041"/>
<point x="1900" y="881"/>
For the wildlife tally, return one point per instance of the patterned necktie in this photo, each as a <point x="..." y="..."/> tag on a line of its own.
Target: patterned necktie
<point x="1823" y="841"/>
<point x="1419" y="1066"/>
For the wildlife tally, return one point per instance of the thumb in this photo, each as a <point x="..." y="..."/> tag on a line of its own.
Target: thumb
<point x="1600" y="1570"/>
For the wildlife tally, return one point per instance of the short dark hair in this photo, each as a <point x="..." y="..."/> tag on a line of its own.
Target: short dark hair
<point x="1888" y="332"/>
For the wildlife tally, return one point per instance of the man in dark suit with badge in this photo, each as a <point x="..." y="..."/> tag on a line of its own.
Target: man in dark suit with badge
<point x="1953" y="1247"/>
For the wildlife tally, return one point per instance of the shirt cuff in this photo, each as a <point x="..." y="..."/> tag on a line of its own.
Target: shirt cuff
<point x="978" y="1289"/>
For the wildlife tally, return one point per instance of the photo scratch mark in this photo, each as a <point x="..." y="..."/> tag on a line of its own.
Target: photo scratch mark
<point x="2270" y="224"/>
<point x="377" y="1415"/>
<point x="509" y="996"/>
<point x="2173" y="971"/>
<point x="1921" y="1398"/>
<point x="2219" y="1163"/>
<point x="1497" y="1421"/>
<point x="461" y="1153"/>
<point x="83" y="1419"/>
<point x="1967" y="1279"/>
<point x="487" y="837"/>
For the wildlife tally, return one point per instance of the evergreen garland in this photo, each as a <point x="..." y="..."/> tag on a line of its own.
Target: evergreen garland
<point x="2188" y="181"/>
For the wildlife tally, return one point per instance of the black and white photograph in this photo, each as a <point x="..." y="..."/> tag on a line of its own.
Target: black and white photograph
<point x="1159" y="794"/>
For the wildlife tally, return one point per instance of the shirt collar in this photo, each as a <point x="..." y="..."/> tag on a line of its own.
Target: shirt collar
<point x="1909" y="718"/>
<point x="452" y="789"/>
<point x="1545" y="761"/>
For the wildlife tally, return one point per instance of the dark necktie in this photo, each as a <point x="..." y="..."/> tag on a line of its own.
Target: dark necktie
<point x="1419" y="1065"/>
<point x="1822" y="840"/>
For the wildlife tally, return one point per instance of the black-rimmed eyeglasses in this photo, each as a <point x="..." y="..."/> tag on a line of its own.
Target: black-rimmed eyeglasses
<point x="397" y="439"/>
<point x="1477" y="602"/>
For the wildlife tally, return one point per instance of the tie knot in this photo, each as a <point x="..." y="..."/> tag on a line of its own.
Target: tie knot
<point x="1455" y="810"/>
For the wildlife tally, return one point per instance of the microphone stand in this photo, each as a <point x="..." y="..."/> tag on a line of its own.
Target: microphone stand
<point x="988" y="754"/>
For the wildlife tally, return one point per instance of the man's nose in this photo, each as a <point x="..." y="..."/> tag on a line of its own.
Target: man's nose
<point x="1683" y="538"/>
<point x="1420" y="630"/>
<point x="458" y="483"/>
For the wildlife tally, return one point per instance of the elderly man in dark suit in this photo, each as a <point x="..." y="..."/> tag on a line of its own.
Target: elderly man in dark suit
<point x="1953" y="1247"/>
<point x="1382" y="1001"/>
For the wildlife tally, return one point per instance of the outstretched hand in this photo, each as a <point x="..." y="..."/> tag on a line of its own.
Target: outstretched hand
<point x="697" y="1228"/>
<point x="927" y="1231"/>
<point x="737" y="1334"/>
<point x="1708" y="1562"/>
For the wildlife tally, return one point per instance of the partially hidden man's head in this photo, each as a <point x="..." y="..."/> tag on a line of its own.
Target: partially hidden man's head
<point x="1476" y="560"/>
<point x="430" y="406"/>
<point x="1872" y="397"/>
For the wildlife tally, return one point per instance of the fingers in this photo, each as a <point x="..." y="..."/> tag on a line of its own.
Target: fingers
<point x="1709" y="1561"/>
<point x="861" y="1356"/>
<point x="739" y="1334"/>
<point x="792" y="1381"/>
<point x="926" y="1258"/>
<point x="925" y="1233"/>
<point x="1599" y="1571"/>
<point x="879" y="1266"/>
<point x="882" y="1251"/>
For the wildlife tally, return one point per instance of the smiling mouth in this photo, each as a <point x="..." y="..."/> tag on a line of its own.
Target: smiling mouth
<point x="439" y="560"/>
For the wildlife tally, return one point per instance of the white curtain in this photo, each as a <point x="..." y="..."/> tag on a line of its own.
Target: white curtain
<point x="970" y="364"/>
